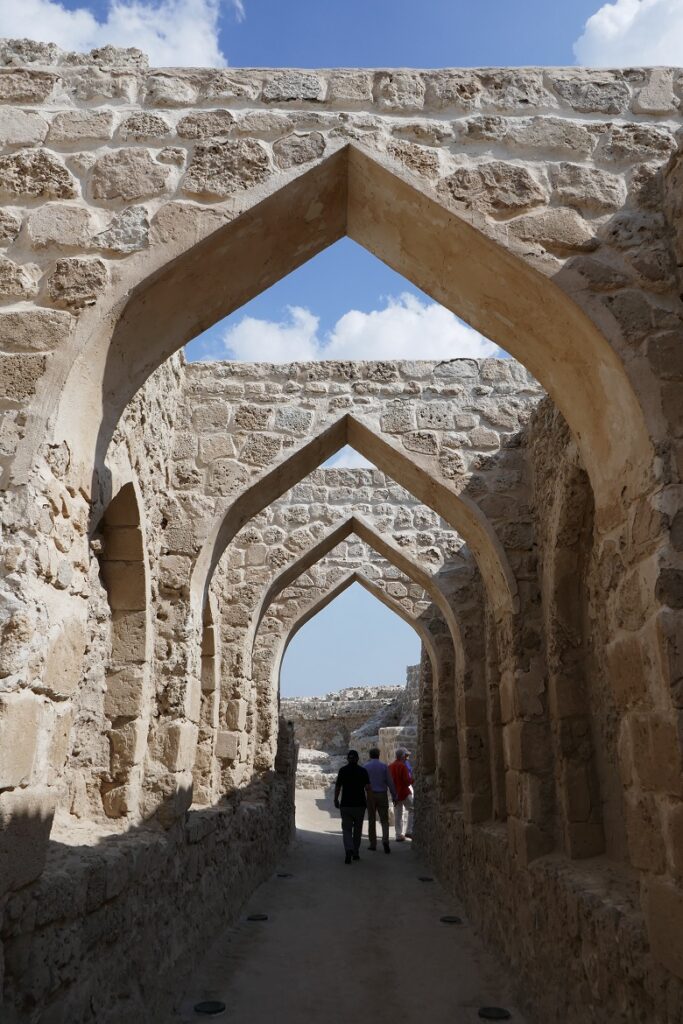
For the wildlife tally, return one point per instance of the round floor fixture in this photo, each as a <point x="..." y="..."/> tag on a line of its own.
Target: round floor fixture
<point x="494" y="1013"/>
<point x="257" y="917"/>
<point x="210" y="1007"/>
<point x="285" y="874"/>
<point x="425" y="878"/>
<point x="451" y="919"/>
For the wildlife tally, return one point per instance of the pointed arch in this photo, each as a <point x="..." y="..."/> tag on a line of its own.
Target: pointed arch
<point x="458" y="510"/>
<point x="354" y="577"/>
<point x="443" y="249"/>
<point x="355" y="524"/>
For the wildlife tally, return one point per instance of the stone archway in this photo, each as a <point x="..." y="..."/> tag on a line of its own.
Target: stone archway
<point x="378" y="205"/>
<point x="441" y="660"/>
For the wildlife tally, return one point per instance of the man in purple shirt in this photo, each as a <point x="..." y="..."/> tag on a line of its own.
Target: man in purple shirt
<point x="378" y="801"/>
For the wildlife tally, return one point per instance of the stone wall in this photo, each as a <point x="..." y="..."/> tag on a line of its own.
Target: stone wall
<point x="327" y="723"/>
<point x="540" y="204"/>
<point x="116" y="921"/>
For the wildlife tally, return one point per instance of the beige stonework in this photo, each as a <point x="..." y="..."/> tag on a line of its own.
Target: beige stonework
<point x="166" y="527"/>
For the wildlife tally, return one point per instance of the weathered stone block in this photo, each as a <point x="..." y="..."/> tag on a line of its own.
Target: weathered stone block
<point x="64" y="662"/>
<point x="60" y="225"/>
<point x="205" y="124"/>
<point x="127" y="174"/>
<point x="223" y="168"/>
<point x="601" y="93"/>
<point x="298" y="149"/>
<point x="349" y="87"/>
<point x="125" y="693"/>
<point x="657" y="95"/>
<point x="128" y="231"/>
<point x="178" y="742"/>
<point x="18" y="281"/>
<point x="21" y="127"/>
<point x="398" y="419"/>
<point x="21" y="85"/>
<point x="125" y="584"/>
<point x="10" y="225"/>
<point x="74" y="125"/>
<point x="227" y="746"/>
<point x="587" y="187"/>
<point x="639" y="142"/>
<point x="236" y="715"/>
<point x="288" y="86"/>
<point x="559" y="230"/>
<point x="34" y="172"/>
<point x="129" y="637"/>
<point x="76" y="283"/>
<point x="174" y="573"/>
<point x="34" y="330"/>
<point x="20" y="718"/>
<point x="141" y="125"/>
<point x="399" y="91"/>
<point x="226" y="476"/>
<point x="495" y="187"/>
<point x="128" y="744"/>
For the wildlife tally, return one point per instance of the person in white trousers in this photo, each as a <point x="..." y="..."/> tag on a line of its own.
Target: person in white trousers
<point x="403" y="782"/>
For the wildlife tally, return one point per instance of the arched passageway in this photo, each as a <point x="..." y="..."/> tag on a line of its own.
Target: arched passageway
<point x="562" y="252"/>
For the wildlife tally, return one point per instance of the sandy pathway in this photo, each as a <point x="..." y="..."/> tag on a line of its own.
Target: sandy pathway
<point x="348" y="943"/>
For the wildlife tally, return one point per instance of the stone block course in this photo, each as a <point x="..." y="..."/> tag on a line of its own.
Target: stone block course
<point x="113" y="172"/>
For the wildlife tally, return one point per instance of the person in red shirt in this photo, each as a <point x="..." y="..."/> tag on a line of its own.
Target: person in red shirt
<point x="403" y="781"/>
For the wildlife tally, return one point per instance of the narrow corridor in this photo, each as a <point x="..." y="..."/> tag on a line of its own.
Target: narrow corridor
<point x="363" y="942"/>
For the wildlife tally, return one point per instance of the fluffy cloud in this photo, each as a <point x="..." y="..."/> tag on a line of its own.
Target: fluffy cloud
<point x="172" y="33"/>
<point x="633" y="32"/>
<point x="406" y="328"/>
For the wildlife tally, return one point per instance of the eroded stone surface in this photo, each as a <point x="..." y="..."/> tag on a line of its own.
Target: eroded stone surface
<point x="222" y="168"/>
<point x="75" y="283"/>
<point x="35" y="173"/>
<point x="127" y="174"/>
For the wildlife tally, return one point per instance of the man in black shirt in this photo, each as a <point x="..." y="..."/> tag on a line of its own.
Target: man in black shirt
<point x="353" y="782"/>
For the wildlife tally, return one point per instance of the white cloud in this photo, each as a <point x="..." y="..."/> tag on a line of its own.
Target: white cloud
<point x="633" y="33"/>
<point x="406" y="328"/>
<point x="172" y="33"/>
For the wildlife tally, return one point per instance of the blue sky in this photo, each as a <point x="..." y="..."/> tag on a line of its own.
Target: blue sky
<point x="345" y="303"/>
<point x="377" y="647"/>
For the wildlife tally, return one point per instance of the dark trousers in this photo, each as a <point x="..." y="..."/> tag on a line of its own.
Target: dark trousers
<point x="380" y="806"/>
<point x="352" y="827"/>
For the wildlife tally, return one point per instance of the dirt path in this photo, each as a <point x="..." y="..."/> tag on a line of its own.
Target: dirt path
<point x="357" y="943"/>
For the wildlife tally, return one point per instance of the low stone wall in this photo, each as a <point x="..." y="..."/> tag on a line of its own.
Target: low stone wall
<point x="326" y="723"/>
<point x="133" y="913"/>
<point x="573" y="931"/>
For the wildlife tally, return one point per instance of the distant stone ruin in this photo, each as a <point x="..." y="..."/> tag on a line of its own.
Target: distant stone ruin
<point x="355" y="717"/>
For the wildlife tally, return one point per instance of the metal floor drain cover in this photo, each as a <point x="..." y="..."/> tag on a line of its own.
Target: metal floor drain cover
<point x="285" y="874"/>
<point x="210" y="1008"/>
<point x="425" y="878"/>
<point x="257" y="917"/>
<point x="451" y="919"/>
<point x="494" y="1013"/>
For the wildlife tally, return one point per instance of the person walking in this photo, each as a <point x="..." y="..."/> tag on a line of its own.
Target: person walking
<point x="353" y="784"/>
<point x="403" y="781"/>
<point x="378" y="802"/>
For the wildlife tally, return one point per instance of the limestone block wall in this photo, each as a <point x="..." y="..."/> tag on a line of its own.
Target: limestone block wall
<point x="326" y="723"/>
<point x="140" y="206"/>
